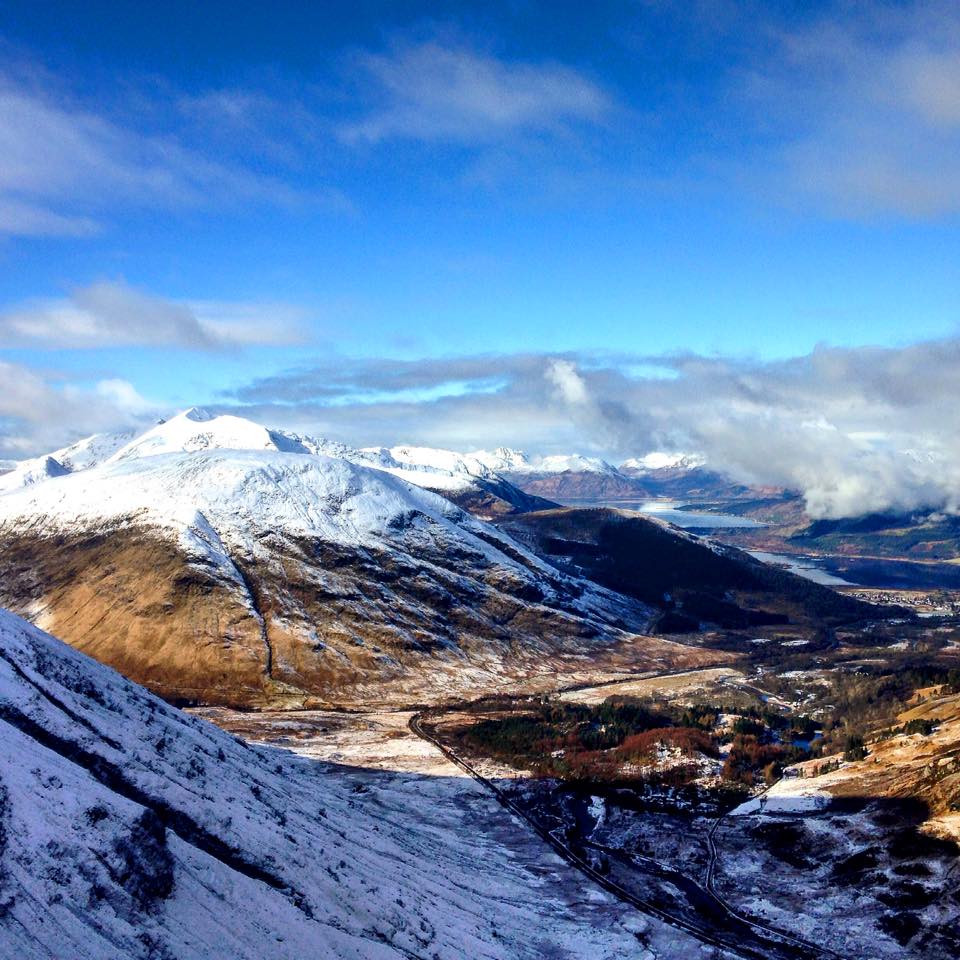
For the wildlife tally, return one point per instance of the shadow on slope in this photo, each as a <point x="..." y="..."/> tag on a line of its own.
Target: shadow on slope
<point x="690" y="579"/>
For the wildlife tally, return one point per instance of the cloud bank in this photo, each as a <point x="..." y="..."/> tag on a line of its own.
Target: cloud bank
<point x="114" y="314"/>
<point x="855" y="429"/>
<point x="39" y="414"/>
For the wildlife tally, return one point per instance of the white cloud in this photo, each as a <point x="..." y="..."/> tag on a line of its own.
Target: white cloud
<point x="64" y="167"/>
<point x="570" y="385"/>
<point x="25" y="219"/>
<point x="855" y="429"/>
<point x="433" y="91"/>
<point x="110" y="314"/>
<point x="865" y="103"/>
<point x="124" y="396"/>
<point x="38" y="414"/>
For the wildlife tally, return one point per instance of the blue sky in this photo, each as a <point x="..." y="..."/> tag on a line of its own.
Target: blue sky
<point x="204" y="203"/>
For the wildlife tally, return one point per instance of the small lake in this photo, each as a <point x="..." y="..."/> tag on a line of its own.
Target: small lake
<point x="670" y="510"/>
<point x="802" y="567"/>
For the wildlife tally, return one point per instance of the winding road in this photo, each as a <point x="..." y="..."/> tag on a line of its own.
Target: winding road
<point x="768" y="943"/>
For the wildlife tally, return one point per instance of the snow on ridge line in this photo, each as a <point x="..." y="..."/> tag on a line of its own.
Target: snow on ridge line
<point x="195" y="430"/>
<point x="417" y="458"/>
<point x="92" y="450"/>
<point x="235" y="494"/>
<point x="30" y="472"/>
<point x="506" y="460"/>
<point x="660" y="460"/>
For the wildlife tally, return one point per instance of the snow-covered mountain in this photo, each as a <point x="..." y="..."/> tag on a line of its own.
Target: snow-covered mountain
<point x="574" y="478"/>
<point x="77" y="456"/>
<point x="216" y="560"/>
<point x="658" y="460"/>
<point x="574" y="463"/>
<point x="92" y="450"/>
<point x="460" y="478"/>
<point x="503" y="459"/>
<point x="686" y="476"/>
<point x="131" y="831"/>
<point x="196" y="429"/>
<point x="506" y="461"/>
<point x="27" y="472"/>
<point x="245" y="576"/>
<point x="562" y="477"/>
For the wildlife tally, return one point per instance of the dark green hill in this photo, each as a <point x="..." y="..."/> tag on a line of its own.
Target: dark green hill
<point x="691" y="579"/>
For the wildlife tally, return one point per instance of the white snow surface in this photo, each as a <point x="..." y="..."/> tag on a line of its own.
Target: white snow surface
<point x="28" y="472"/>
<point x="431" y="458"/>
<point x="212" y="498"/>
<point x="92" y="450"/>
<point x="130" y="830"/>
<point x="78" y="456"/>
<point x="505" y="460"/>
<point x="660" y="460"/>
<point x="196" y="429"/>
<point x="427" y="467"/>
<point x="790" y="795"/>
<point x="574" y="463"/>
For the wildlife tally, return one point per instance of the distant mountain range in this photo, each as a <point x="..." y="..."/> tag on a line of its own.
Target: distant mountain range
<point x="456" y="476"/>
<point x="218" y="561"/>
<point x="489" y="483"/>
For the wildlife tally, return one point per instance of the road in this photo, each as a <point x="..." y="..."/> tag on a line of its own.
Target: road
<point x="768" y="944"/>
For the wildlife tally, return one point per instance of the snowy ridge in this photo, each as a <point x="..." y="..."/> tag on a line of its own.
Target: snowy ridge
<point x="28" y="472"/>
<point x="503" y="459"/>
<point x="196" y="429"/>
<point x="429" y="458"/>
<point x="658" y="460"/>
<point x="92" y="450"/>
<point x="240" y="494"/>
<point x="131" y="830"/>
<point x="426" y="466"/>
<point x="506" y="460"/>
<point x="78" y="456"/>
<point x="302" y="575"/>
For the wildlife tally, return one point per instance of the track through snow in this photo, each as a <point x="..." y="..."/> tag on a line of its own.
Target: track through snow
<point x="768" y="942"/>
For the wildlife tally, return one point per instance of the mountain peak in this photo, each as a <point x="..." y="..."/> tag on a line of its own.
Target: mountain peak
<point x="197" y="414"/>
<point x="661" y="460"/>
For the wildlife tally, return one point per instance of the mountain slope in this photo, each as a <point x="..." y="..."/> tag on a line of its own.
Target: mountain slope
<point x="574" y="478"/>
<point x="131" y="830"/>
<point x="693" y="580"/>
<point x="28" y="472"/>
<point x="244" y="577"/>
<point x="78" y="456"/>
<point x="460" y="478"/>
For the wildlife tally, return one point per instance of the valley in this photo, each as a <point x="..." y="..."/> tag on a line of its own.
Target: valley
<point x="801" y="851"/>
<point x="480" y="481"/>
<point x="635" y="728"/>
<point x="748" y="796"/>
